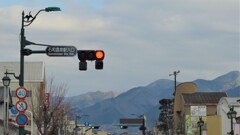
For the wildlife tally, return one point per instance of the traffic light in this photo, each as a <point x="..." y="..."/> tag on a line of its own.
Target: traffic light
<point x="82" y="65"/>
<point x="142" y="127"/>
<point x="123" y="127"/>
<point x="95" y="127"/>
<point x="90" y="55"/>
<point x="99" y="59"/>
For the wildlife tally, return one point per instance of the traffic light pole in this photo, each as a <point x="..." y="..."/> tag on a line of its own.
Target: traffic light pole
<point x="21" y="75"/>
<point x="99" y="53"/>
<point x="23" y="43"/>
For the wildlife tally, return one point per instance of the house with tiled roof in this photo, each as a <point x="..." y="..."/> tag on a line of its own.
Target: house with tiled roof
<point x="190" y="106"/>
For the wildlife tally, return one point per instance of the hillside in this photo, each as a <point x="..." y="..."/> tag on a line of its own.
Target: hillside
<point x="90" y="98"/>
<point x="144" y="100"/>
<point x="221" y="83"/>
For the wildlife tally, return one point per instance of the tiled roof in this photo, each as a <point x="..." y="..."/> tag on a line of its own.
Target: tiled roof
<point x="203" y="97"/>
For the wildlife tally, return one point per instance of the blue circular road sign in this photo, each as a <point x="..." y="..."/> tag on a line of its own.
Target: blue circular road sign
<point x="14" y="110"/>
<point x="21" y="119"/>
<point x="86" y="124"/>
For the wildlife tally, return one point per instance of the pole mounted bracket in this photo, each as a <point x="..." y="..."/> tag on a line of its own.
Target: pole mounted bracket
<point x="26" y="52"/>
<point x="9" y="73"/>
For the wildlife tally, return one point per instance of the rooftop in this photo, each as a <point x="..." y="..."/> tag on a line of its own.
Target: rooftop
<point x="203" y="97"/>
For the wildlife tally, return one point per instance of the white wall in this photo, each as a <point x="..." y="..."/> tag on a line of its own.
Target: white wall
<point x="222" y="110"/>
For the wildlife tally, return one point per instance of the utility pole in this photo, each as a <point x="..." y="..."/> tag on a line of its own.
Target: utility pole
<point x="21" y="75"/>
<point x="26" y="22"/>
<point x="175" y="73"/>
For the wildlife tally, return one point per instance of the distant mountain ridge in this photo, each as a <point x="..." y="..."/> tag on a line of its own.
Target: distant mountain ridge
<point x="221" y="83"/>
<point x="145" y="99"/>
<point x="90" y="98"/>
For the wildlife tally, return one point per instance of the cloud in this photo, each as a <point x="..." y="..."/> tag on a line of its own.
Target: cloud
<point x="143" y="40"/>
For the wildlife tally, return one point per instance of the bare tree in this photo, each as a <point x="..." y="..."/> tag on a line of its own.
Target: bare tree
<point x="49" y="116"/>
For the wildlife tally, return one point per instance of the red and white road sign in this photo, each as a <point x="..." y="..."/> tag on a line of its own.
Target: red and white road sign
<point x="21" y="92"/>
<point x="21" y="106"/>
<point x="21" y="119"/>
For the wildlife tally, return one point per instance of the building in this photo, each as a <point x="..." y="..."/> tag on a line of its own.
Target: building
<point x="223" y="108"/>
<point x="34" y="78"/>
<point x="190" y="106"/>
<point x="178" y="114"/>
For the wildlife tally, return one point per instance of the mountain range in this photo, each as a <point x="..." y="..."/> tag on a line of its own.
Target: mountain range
<point x="107" y="108"/>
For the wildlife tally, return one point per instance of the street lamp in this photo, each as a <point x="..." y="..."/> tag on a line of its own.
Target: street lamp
<point x="6" y="81"/>
<point x="26" y="21"/>
<point x="200" y="123"/>
<point x="231" y="115"/>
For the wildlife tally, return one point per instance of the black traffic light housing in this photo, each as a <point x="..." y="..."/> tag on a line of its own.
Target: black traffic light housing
<point x="84" y="55"/>
<point x="82" y="65"/>
<point x="142" y="127"/>
<point x="90" y="55"/>
<point x="123" y="127"/>
<point x="95" y="127"/>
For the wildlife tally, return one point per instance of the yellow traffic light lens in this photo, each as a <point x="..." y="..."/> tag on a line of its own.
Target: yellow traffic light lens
<point x="99" y="54"/>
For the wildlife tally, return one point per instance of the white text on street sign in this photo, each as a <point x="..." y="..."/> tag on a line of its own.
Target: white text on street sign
<point x="61" y="51"/>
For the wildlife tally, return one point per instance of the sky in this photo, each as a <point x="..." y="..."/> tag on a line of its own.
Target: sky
<point x="143" y="40"/>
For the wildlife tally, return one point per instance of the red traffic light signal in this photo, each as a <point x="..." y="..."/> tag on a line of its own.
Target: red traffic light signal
<point x="99" y="54"/>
